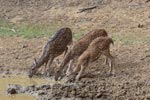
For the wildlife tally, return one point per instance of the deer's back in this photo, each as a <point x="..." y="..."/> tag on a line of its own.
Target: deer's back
<point x="60" y="40"/>
<point x="95" y="48"/>
<point x="88" y="38"/>
<point x="80" y="46"/>
<point x="99" y="44"/>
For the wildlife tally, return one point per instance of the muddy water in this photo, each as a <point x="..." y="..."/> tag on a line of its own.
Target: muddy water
<point x="17" y="97"/>
<point x="23" y="81"/>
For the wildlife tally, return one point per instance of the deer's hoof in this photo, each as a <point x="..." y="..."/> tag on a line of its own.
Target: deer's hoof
<point x="56" y="77"/>
<point x="71" y="79"/>
<point x="47" y="74"/>
<point x="61" y="77"/>
<point x="29" y="76"/>
<point x="77" y="78"/>
<point x="43" y="73"/>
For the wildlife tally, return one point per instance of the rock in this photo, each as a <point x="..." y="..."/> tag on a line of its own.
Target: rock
<point x="140" y="25"/>
<point x="3" y="76"/>
<point x="14" y="89"/>
<point x="7" y="72"/>
<point x="24" y="46"/>
<point x="99" y="95"/>
<point x="11" y="91"/>
<point x="45" y="87"/>
<point x="42" y="93"/>
<point x="30" y="88"/>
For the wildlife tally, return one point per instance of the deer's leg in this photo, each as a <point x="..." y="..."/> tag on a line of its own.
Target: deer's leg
<point x="60" y="70"/>
<point x="70" y="69"/>
<point x="112" y="61"/>
<point x="44" y="68"/>
<point x="73" y="74"/>
<point x="70" y="61"/>
<point x="80" y="72"/>
<point x="65" y="71"/>
<point x="66" y="49"/>
<point x="106" y="61"/>
<point x="49" y="64"/>
<point x="58" y="73"/>
<point x="76" y="69"/>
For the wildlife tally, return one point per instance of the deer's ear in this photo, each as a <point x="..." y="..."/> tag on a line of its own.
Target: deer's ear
<point x="35" y="62"/>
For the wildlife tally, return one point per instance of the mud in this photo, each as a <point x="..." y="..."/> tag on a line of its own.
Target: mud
<point x="131" y="79"/>
<point x="21" y="87"/>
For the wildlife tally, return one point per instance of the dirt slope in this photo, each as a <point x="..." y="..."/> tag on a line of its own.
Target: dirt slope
<point x="111" y="14"/>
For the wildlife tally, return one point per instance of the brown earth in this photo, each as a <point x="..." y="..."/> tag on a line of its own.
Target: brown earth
<point x="127" y="21"/>
<point x="109" y="14"/>
<point x="131" y="79"/>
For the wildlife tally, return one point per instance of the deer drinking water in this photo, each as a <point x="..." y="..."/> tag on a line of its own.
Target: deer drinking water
<point x="77" y="49"/>
<point x="54" y="47"/>
<point x="99" y="46"/>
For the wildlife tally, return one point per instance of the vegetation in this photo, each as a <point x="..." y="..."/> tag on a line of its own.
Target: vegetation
<point x="131" y="38"/>
<point x="26" y="30"/>
<point x="47" y="30"/>
<point x="32" y="30"/>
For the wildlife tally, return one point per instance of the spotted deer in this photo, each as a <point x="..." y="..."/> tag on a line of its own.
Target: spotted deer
<point x="54" y="47"/>
<point x="77" y="49"/>
<point x="99" y="46"/>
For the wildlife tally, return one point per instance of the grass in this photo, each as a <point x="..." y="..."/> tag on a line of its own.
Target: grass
<point x="131" y="38"/>
<point x="77" y="34"/>
<point x="26" y="30"/>
<point x="47" y="30"/>
<point x="32" y="30"/>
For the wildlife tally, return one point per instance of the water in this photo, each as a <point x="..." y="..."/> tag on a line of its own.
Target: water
<point x="23" y="81"/>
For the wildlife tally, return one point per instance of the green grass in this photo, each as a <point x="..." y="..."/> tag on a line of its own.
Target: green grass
<point x="27" y="30"/>
<point x="47" y="30"/>
<point x="33" y="30"/>
<point x="131" y="38"/>
<point x="77" y="34"/>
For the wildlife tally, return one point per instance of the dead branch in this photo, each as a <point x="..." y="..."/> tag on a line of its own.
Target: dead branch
<point x="86" y="9"/>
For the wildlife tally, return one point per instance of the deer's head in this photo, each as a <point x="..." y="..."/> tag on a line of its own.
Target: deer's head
<point x="33" y="68"/>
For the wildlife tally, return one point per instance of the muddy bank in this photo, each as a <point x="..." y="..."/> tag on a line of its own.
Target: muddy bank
<point x="105" y="88"/>
<point x="131" y="79"/>
<point x="82" y="90"/>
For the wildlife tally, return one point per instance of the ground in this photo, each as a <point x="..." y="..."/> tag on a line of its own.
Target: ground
<point x="126" y="21"/>
<point x="131" y="79"/>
